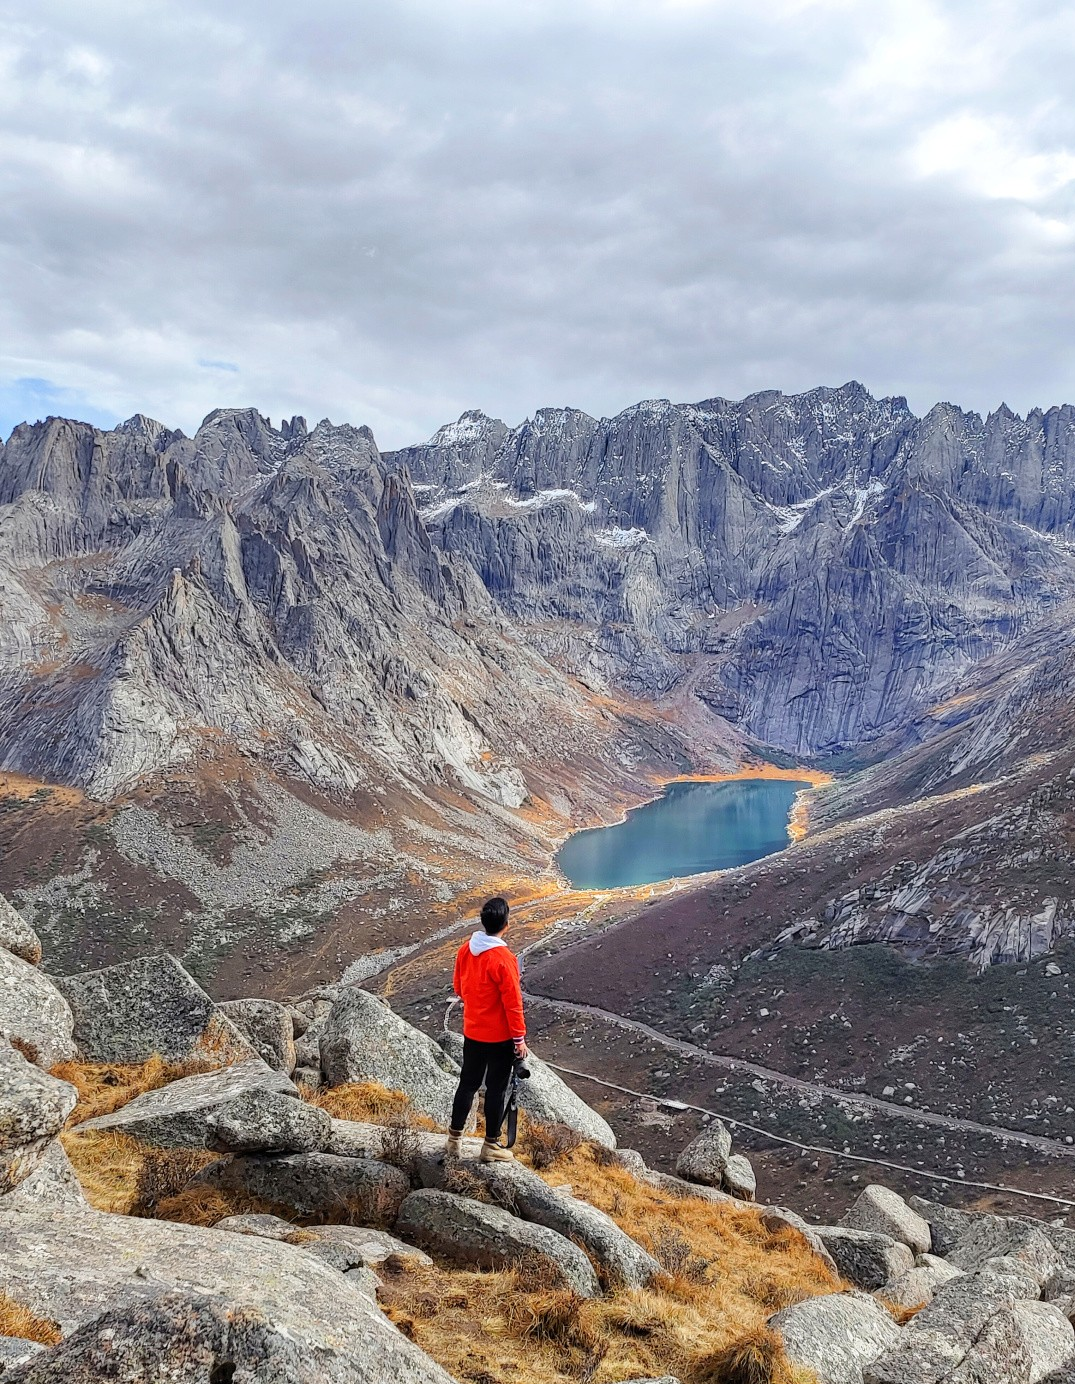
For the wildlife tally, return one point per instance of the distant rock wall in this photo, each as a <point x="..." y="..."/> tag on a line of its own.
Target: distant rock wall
<point x="275" y="588"/>
<point x="827" y="563"/>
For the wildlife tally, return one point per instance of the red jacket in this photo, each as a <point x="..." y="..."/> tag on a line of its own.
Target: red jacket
<point x="486" y="979"/>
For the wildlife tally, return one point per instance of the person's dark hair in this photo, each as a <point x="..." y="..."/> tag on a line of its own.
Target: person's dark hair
<point x="495" y="915"/>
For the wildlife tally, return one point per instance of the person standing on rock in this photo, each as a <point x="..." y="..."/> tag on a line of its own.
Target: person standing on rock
<point x="486" y="979"/>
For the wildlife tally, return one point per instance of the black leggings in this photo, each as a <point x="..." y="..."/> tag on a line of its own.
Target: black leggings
<point x="491" y="1063"/>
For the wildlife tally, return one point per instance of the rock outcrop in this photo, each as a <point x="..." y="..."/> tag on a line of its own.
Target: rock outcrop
<point x="472" y="1234"/>
<point x="263" y="1121"/>
<point x="886" y="1213"/>
<point x="320" y="1186"/>
<point x="993" y="1240"/>
<point x="361" y="1139"/>
<point x="268" y="1027"/>
<point x="33" y="1013"/>
<point x="620" y="1259"/>
<point x="17" y="936"/>
<point x="1048" y="1337"/>
<point x="288" y="1289"/>
<point x="167" y="1301"/>
<point x="705" y="1158"/>
<point x="836" y="1336"/>
<point x="969" y="1331"/>
<point x="146" y="1008"/>
<point x="53" y="1183"/>
<point x="177" y="1115"/>
<point x="14" y="1351"/>
<point x="345" y="1246"/>
<point x="33" y="1108"/>
<point x="865" y="1258"/>
<point x="363" y="1040"/>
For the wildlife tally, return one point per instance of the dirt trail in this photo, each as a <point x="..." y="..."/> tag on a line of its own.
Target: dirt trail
<point x="736" y="1064"/>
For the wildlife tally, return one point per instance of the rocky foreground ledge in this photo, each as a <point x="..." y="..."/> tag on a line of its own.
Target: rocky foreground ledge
<point x="188" y="1194"/>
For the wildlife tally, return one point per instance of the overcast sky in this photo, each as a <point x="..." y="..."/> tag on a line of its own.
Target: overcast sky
<point x="390" y="212"/>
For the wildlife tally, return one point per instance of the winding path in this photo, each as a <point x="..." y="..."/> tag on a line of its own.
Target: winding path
<point x="1053" y="1147"/>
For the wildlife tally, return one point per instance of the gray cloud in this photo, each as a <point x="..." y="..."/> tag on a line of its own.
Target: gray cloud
<point x="389" y="213"/>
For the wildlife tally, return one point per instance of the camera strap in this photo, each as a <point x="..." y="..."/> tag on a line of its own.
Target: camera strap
<point x="513" y="1109"/>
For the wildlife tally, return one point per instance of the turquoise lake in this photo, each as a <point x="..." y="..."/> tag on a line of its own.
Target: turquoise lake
<point x="693" y="828"/>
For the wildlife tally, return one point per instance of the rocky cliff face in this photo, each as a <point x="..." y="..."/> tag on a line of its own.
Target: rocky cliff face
<point x="271" y="585"/>
<point x="822" y="567"/>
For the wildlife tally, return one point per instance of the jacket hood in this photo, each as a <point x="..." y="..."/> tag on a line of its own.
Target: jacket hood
<point x="481" y="942"/>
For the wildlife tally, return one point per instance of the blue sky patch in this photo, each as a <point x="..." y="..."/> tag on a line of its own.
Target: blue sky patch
<point x="29" y="400"/>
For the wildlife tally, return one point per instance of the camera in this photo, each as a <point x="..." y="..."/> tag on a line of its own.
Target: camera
<point x="522" y="1071"/>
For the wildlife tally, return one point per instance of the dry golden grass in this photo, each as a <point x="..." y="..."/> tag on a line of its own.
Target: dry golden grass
<point x="128" y="1178"/>
<point x="703" y="1321"/>
<point x="757" y="1358"/>
<point x="500" y="1328"/>
<point x="543" y="1144"/>
<point x="165" y="1175"/>
<point x="775" y="1268"/>
<point x="106" y="1086"/>
<point x="108" y="1166"/>
<point x="207" y="1205"/>
<point x="17" y="1320"/>
<point x="901" y="1315"/>
<point x="369" y="1102"/>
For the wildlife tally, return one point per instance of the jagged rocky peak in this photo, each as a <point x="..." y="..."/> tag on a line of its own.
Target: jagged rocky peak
<point x="139" y="425"/>
<point x="457" y="455"/>
<point x="341" y="448"/>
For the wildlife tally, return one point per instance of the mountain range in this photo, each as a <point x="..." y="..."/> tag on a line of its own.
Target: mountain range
<point x="286" y="690"/>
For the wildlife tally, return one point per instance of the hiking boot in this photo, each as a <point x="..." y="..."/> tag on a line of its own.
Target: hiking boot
<point x="454" y="1146"/>
<point x="495" y="1153"/>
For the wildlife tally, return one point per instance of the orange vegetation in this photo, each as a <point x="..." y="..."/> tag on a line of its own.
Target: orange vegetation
<point x="942" y="708"/>
<point x="18" y="1321"/>
<point x="106" y="1086"/>
<point x="128" y="1178"/>
<point x="815" y="777"/>
<point x="703" y="1321"/>
<point x="900" y="1314"/>
<point x="23" y="788"/>
<point x="201" y="1205"/>
<point x="368" y="1102"/>
<point x="108" y="1166"/>
<point x="799" y="819"/>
